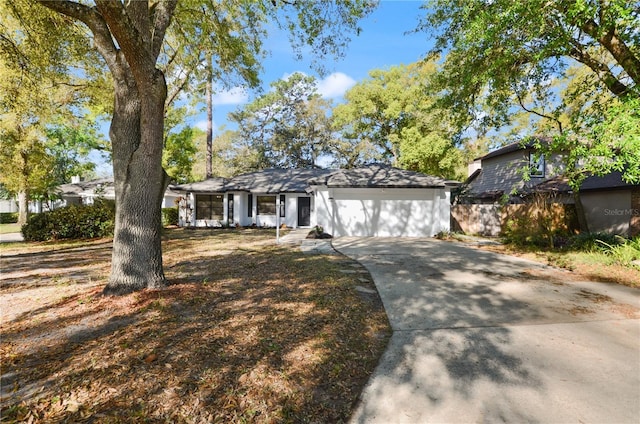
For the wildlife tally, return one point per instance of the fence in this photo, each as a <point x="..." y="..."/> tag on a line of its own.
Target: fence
<point x="493" y="220"/>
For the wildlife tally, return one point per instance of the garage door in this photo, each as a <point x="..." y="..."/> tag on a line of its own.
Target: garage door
<point x="390" y="212"/>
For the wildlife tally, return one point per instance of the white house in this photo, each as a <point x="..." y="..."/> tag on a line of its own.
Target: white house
<point x="376" y="200"/>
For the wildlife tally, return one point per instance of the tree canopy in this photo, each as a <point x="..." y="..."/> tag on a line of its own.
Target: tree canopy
<point x="392" y="118"/>
<point x="501" y="55"/>
<point x="287" y="127"/>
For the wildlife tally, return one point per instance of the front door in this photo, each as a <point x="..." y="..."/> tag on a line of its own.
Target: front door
<point x="304" y="211"/>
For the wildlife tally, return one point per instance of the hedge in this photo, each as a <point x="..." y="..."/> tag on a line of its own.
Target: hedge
<point x="8" y="217"/>
<point x="72" y="222"/>
<point x="169" y="216"/>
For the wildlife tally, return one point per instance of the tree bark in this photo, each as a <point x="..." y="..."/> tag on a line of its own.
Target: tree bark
<point x="23" y="207"/>
<point x="209" y="95"/>
<point x="136" y="133"/>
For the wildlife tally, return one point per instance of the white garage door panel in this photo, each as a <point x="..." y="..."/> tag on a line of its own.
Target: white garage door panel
<point x="395" y="213"/>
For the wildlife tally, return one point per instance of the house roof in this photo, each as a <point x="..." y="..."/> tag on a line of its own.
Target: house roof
<point x="514" y="147"/>
<point x="101" y="186"/>
<point x="275" y="180"/>
<point x="270" y="180"/>
<point x="379" y="175"/>
<point x="610" y="181"/>
<point x="210" y="185"/>
<point x="84" y="187"/>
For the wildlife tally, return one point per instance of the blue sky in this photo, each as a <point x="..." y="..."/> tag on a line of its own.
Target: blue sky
<point x="382" y="43"/>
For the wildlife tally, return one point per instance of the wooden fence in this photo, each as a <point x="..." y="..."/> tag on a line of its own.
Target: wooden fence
<point x="493" y="220"/>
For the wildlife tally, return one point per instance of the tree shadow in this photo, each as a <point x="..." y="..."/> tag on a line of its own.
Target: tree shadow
<point x="257" y="334"/>
<point x="451" y="316"/>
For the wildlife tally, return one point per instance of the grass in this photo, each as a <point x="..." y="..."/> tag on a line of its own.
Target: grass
<point x="595" y="261"/>
<point x="9" y="228"/>
<point x="248" y="332"/>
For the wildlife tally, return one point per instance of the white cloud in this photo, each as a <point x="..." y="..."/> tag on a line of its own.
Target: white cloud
<point x="235" y="96"/>
<point x="335" y="85"/>
<point x="202" y="124"/>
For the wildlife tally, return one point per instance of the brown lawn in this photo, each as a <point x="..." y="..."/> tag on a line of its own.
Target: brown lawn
<point x="248" y="332"/>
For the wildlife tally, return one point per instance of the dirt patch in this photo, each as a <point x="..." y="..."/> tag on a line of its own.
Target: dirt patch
<point x="248" y="332"/>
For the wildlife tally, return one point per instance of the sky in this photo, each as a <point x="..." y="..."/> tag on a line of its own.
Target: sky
<point x="386" y="40"/>
<point x="382" y="43"/>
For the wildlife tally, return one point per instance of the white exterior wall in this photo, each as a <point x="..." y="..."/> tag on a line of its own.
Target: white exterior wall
<point x="376" y="212"/>
<point x="240" y="214"/>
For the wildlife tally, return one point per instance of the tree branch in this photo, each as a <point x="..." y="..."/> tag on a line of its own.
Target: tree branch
<point x="92" y="19"/>
<point x="600" y="69"/>
<point x="541" y="115"/>
<point x="162" y="18"/>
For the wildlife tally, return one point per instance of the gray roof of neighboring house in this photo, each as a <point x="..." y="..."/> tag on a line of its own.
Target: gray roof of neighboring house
<point x="104" y="187"/>
<point x="514" y="147"/>
<point x="612" y="180"/>
<point x="378" y="175"/>
<point x="84" y="187"/>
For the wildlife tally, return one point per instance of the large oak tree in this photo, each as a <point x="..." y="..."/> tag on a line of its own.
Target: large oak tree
<point x="131" y="38"/>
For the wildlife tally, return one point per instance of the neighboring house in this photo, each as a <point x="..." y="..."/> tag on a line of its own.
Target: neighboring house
<point x="85" y="192"/>
<point x="509" y="173"/>
<point x="609" y="204"/>
<point x="375" y="200"/>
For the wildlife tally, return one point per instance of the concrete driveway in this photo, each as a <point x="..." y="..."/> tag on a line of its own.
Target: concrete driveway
<point x="483" y="337"/>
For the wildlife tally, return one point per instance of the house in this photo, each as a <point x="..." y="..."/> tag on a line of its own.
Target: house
<point x="611" y="205"/>
<point x="514" y="173"/>
<point x="375" y="200"/>
<point x="509" y="173"/>
<point x="80" y="192"/>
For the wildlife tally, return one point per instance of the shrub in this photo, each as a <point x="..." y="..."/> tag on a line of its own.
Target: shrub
<point x="8" y="217"/>
<point x="624" y="252"/>
<point x="72" y="222"/>
<point x="169" y="216"/>
<point x="590" y="242"/>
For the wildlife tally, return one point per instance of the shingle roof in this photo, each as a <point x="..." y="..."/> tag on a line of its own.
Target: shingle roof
<point x="610" y="181"/>
<point x="298" y="180"/>
<point x="265" y="181"/>
<point x="84" y="187"/>
<point x="378" y="175"/>
<point x="210" y="185"/>
<point x="276" y="180"/>
<point x="514" y="147"/>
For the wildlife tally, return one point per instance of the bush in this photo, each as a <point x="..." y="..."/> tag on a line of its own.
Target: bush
<point x="169" y="216"/>
<point x="624" y="252"/>
<point x="72" y="222"/>
<point x="590" y="242"/>
<point x="8" y="217"/>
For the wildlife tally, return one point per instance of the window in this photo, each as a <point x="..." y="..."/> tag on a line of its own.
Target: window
<point x="250" y="205"/>
<point x="536" y="165"/>
<point x="282" y="205"/>
<point x="209" y="206"/>
<point x="266" y="205"/>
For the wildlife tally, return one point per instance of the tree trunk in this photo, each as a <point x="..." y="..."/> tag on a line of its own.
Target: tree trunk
<point x="209" y="95"/>
<point x="23" y="191"/>
<point x="136" y="134"/>
<point x="23" y="207"/>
